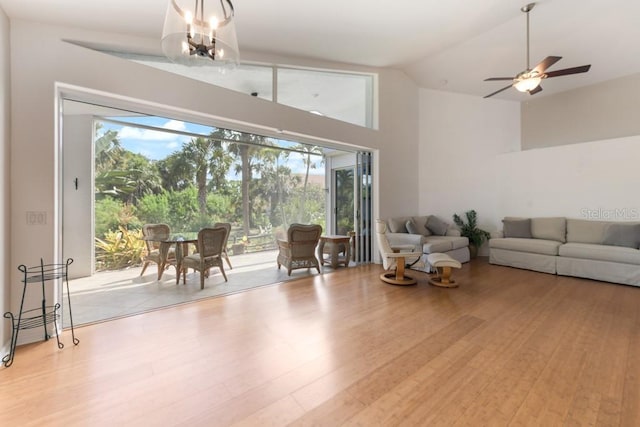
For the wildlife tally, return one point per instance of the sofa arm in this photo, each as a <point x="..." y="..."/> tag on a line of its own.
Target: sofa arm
<point x="402" y="239"/>
<point x="497" y="234"/>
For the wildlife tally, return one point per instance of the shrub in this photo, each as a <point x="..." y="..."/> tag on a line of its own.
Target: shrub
<point x="119" y="249"/>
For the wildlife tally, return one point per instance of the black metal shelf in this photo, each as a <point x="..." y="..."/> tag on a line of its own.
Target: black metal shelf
<point x="45" y="314"/>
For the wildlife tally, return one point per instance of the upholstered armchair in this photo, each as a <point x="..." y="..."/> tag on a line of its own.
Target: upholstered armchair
<point x="395" y="257"/>
<point x="299" y="250"/>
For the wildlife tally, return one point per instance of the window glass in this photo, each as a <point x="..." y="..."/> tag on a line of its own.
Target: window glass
<point x="341" y="96"/>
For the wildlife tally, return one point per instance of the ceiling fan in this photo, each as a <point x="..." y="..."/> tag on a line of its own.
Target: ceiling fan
<point x="529" y="79"/>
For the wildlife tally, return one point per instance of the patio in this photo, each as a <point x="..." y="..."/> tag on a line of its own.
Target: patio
<point x="113" y="294"/>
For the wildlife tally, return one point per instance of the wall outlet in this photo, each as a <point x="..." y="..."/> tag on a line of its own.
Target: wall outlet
<point x="36" y="218"/>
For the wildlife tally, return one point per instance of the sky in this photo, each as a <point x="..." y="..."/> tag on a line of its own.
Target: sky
<point x="157" y="145"/>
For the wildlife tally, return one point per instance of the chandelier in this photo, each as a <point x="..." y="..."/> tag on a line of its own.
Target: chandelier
<point x="201" y="34"/>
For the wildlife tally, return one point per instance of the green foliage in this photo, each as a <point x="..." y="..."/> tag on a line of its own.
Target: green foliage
<point x="107" y="215"/>
<point x="184" y="213"/>
<point x="470" y="229"/>
<point x="219" y="207"/>
<point x="191" y="189"/>
<point x="153" y="208"/>
<point x="119" y="249"/>
<point x="344" y="200"/>
<point x="122" y="174"/>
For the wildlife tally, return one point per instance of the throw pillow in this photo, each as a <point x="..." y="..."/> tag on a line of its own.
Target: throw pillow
<point x="415" y="227"/>
<point x="397" y="225"/>
<point x="627" y="235"/>
<point x="517" y="228"/>
<point x="411" y="227"/>
<point x="437" y="226"/>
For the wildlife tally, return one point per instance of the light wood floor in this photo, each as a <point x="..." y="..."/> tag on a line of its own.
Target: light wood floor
<point x="508" y="347"/>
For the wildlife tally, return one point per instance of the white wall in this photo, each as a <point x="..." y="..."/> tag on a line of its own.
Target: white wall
<point x="461" y="140"/>
<point x="605" y="110"/>
<point x="470" y="159"/>
<point x="34" y="184"/>
<point x="592" y="180"/>
<point x="5" y="134"/>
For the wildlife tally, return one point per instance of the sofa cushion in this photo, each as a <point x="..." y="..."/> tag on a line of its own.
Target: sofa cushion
<point x="517" y="228"/>
<point x="458" y="242"/>
<point x="585" y="231"/>
<point x="437" y="226"/>
<point x="398" y="224"/>
<point x="598" y="252"/>
<point x="552" y="228"/>
<point x="435" y="244"/>
<point x="536" y="246"/>
<point x="627" y="235"/>
<point x="418" y="225"/>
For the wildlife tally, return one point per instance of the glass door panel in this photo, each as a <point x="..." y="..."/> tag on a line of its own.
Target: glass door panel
<point x="344" y="200"/>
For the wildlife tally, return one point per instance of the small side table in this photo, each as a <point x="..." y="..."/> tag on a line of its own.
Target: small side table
<point x="338" y="248"/>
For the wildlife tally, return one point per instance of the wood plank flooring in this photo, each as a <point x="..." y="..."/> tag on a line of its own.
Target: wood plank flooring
<point x="508" y="347"/>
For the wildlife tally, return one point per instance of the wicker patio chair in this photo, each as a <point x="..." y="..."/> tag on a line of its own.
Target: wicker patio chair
<point x="299" y="250"/>
<point x="210" y="243"/>
<point x="225" y="254"/>
<point x="153" y="234"/>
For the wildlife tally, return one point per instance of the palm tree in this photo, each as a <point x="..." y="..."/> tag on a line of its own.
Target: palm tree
<point x="201" y="161"/>
<point x="177" y="171"/>
<point x="122" y="174"/>
<point x="107" y="150"/>
<point x="308" y="152"/>
<point x="249" y="158"/>
<point x="275" y="184"/>
<point x="198" y="150"/>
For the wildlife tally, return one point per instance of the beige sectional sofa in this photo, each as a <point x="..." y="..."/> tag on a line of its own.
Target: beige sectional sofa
<point x="429" y="234"/>
<point x="601" y="250"/>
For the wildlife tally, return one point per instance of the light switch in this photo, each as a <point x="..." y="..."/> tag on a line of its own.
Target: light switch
<point x="36" y="218"/>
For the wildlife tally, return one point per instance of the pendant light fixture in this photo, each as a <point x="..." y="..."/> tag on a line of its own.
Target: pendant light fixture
<point x="200" y="32"/>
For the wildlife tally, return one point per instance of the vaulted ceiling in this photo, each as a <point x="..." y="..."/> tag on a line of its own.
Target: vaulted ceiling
<point x="446" y="45"/>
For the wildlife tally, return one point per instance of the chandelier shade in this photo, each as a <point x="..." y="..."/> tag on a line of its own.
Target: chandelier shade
<point x="200" y="32"/>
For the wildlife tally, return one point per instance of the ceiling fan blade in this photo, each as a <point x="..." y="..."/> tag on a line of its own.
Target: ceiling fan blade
<point x="566" y="71"/>
<point x="498" y="91"/>
<point x="492" y="79"/>
<point x="536" y="90"/>
<point x="546" y="63"/>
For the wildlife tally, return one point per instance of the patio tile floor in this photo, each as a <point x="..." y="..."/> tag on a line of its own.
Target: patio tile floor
<point x="112" y="294"/>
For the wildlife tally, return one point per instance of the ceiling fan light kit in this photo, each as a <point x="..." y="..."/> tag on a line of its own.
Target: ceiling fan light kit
<point x="529" y="80"/>
<point x="526" y="82"/>
<point x="200" y="32"/>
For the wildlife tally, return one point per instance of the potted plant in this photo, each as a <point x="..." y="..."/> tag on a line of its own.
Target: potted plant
<point x="239" y="247"/>
<point x="471" y="231"/>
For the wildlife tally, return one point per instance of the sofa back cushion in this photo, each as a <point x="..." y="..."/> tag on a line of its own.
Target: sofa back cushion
<point x="398" y="224"/>
<point x="586" y="231"/>
<point x="551" y="228"/>
<point x="520" y="228"/>
<point x="418" y="225"/>
<point x="622" y="234"/>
